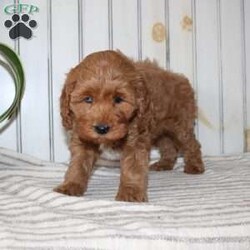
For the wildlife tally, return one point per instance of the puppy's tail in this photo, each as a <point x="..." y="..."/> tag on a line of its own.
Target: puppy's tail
<point x="203" y="118"/>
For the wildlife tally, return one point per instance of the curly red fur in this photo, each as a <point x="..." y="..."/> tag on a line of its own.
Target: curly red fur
<point x="109" y="100"/>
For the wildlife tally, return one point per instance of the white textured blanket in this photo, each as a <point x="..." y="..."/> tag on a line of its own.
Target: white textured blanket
<point x="209" y="211"/>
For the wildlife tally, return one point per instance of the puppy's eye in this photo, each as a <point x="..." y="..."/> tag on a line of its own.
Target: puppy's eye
<point x="118" y="99"/>
<point x="88" y="99"/>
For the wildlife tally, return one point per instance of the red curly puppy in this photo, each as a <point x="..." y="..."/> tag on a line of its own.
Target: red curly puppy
<point x="110" y="101"/>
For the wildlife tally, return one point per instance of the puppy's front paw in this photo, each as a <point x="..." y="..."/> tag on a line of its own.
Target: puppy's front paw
<point x="131" y="194"/>
<point x="194" y="169"/>
<point x="70" y="188"/>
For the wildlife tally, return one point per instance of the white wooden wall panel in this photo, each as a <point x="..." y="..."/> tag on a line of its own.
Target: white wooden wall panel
<point x="207" y="40"/>
<point x="152" y="14"/>
<point x="8" y="131"/>
<point x="181" y="37"/>
<point x="35" y="106"/>
<point x="182" y="34"/>
<point x="208" y="89"/>
<point x="247" y="62"/>
<point x="125" y="27"/>
<point x="95" y="26"/>
<point x="65" y="54"/>
<point x="231" y="49"/>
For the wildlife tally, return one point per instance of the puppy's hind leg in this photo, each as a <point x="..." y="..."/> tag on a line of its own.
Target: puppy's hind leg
<point x="192" y="153"/>
<point x="169" y="152"/>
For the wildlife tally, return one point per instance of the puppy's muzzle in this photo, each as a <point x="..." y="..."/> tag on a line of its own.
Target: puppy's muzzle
<point x="102" y="129"/>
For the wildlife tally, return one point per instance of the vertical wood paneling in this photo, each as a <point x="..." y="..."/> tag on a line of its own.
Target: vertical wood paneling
<point x="8" y="136"/>
<point x="50" y="82"/>
<point x="209" y="42"/>
<point x="182" y="40"/>
<point x="231" y="49"/>
<point x="208" y="89"/>
<point x="139" y="29"/>
<point x="65" y="49"/>
<point x="35" y="105"/>
<point x="153" y="38"/>
<point x="125" y="27"/>
<point x="247" y="59"/>
<point x="181" y="37"/>
<point x="95" y="26"/>
<point x="110" y="24"/>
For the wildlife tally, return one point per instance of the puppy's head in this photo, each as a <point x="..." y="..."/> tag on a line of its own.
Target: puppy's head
<point x="101" y="97"/>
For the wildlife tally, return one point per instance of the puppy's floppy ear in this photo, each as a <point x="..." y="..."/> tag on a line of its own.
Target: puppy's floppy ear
<point x="69" y="86"/>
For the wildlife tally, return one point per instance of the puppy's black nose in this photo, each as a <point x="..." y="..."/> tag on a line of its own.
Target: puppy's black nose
<point x="102" y="129"/>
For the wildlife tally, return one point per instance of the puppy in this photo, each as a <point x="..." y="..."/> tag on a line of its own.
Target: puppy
<point x="110" y="101"/>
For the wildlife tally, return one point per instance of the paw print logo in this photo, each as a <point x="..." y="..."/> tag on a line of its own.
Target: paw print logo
<point x="20" y="26"/>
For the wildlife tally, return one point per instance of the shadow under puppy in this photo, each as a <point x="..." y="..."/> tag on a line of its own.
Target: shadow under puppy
<point x="110" y="101"/>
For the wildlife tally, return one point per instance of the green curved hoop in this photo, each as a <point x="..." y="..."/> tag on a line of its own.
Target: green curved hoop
<point x="15" y="68"/>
